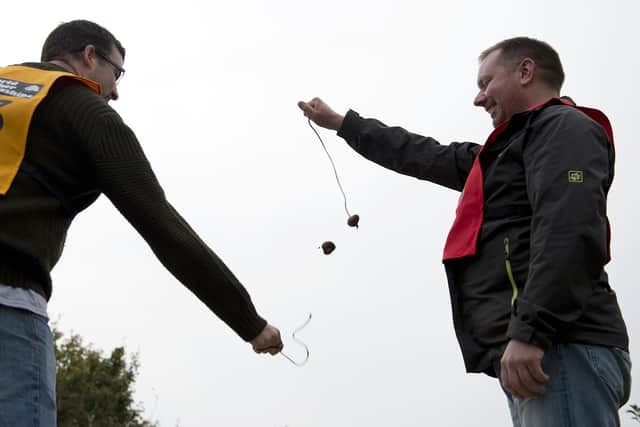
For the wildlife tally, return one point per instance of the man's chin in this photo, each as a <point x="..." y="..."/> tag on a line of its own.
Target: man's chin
<point x="497" y="121"/>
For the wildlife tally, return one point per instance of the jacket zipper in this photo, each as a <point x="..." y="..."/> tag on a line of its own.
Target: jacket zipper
<point x="507" y="263"/>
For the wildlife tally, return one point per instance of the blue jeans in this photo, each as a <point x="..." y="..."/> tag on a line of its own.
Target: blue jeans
<point x="27" y="370"/>
<point x="588" y="385"/>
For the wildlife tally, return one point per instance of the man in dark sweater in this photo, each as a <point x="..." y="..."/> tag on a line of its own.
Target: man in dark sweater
<point x="61" y="146"/>
<point x="525" y="257"/>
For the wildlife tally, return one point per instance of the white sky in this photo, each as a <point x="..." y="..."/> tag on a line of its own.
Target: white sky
<point x="211" y="91"/>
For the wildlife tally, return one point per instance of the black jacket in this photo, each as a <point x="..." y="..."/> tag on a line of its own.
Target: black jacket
<point x="538" y="274"/>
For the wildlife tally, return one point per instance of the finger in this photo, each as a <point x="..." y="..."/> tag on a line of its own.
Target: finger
<point x="517" y="386"/>
<point x="527" y="385"/>
<point x="268" y="349"/>
<point x="537" y="373"/>
<point x="510" y="379"/>
<point x="535" y="386"/>
<point x="275" y="350"/>
<point x="308" y="110"/>
<point x="505" y="377"/>
<point x="318" y="104"/>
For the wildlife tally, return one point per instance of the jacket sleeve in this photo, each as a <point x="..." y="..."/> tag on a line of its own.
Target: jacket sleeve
<point x="125" y="176"/>
<point x="569" y="169"/>
<point x="407" y="153"/>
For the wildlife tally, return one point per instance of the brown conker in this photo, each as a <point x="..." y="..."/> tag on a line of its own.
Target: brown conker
<point x="328" y="247"/>
<point x="353" y="220"/>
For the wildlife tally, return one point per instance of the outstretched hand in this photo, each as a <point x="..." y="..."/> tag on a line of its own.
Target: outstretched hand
<point x="321" y="114"/>
<point x="268" y="341"/>
<point x="521" y="370"/>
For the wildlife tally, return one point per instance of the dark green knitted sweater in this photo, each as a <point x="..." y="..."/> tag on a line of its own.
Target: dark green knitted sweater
<point x="78" y="147"/>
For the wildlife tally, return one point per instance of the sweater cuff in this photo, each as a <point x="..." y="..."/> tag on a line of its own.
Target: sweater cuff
<point x="350" y="128"/>
<point x="250" y="327"/>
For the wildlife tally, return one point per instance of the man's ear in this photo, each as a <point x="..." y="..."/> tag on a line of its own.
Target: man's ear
<point x="526" y="71"/>
<point x="89" y="55"/>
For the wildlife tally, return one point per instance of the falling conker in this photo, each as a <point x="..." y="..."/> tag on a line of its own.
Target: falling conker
<point x="353" y="220"/>
<point x="328" y="247"/>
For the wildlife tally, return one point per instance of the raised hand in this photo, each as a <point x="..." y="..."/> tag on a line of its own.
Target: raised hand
<point x="321" y="114"/>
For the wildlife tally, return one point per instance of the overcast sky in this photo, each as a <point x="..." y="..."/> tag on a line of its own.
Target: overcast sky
<point x="211" y="91"/>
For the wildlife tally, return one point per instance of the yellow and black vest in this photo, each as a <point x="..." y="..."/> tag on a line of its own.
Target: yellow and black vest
<point x="22" y="89"/>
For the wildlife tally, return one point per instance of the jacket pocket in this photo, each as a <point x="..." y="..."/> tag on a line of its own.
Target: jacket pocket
<point x="507" y="264"/>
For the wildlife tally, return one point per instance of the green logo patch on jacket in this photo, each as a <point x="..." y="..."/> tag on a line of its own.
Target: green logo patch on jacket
<point x="575" y="176"/>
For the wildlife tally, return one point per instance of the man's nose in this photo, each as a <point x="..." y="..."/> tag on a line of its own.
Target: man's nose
<point x="480" y="99"/>
<point x="114" y="94"/>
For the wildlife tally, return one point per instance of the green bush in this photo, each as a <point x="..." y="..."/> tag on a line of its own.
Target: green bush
<point x="94" y="390"/>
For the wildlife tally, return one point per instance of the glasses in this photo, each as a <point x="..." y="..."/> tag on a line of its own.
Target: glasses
<point x="119" y="70"/>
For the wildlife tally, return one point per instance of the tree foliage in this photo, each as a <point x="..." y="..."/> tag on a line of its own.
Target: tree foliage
<point x="94" y="390"/>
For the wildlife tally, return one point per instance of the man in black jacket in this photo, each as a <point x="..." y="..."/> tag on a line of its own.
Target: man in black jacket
<point x="61" y="146"/>
<point x="525" y="256"/>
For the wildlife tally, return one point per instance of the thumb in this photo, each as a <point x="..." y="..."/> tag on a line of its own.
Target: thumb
<point x="538" y="374"/>
<point x="308" y="109"/>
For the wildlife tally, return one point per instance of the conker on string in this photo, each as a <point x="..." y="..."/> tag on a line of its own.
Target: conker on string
<point x="353" y="220"/>
<point x="328" y="247"/>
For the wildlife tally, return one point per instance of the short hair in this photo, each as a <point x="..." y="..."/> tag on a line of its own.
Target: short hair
<point x="72" y="37"/>
<point x="548" y="65"/>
